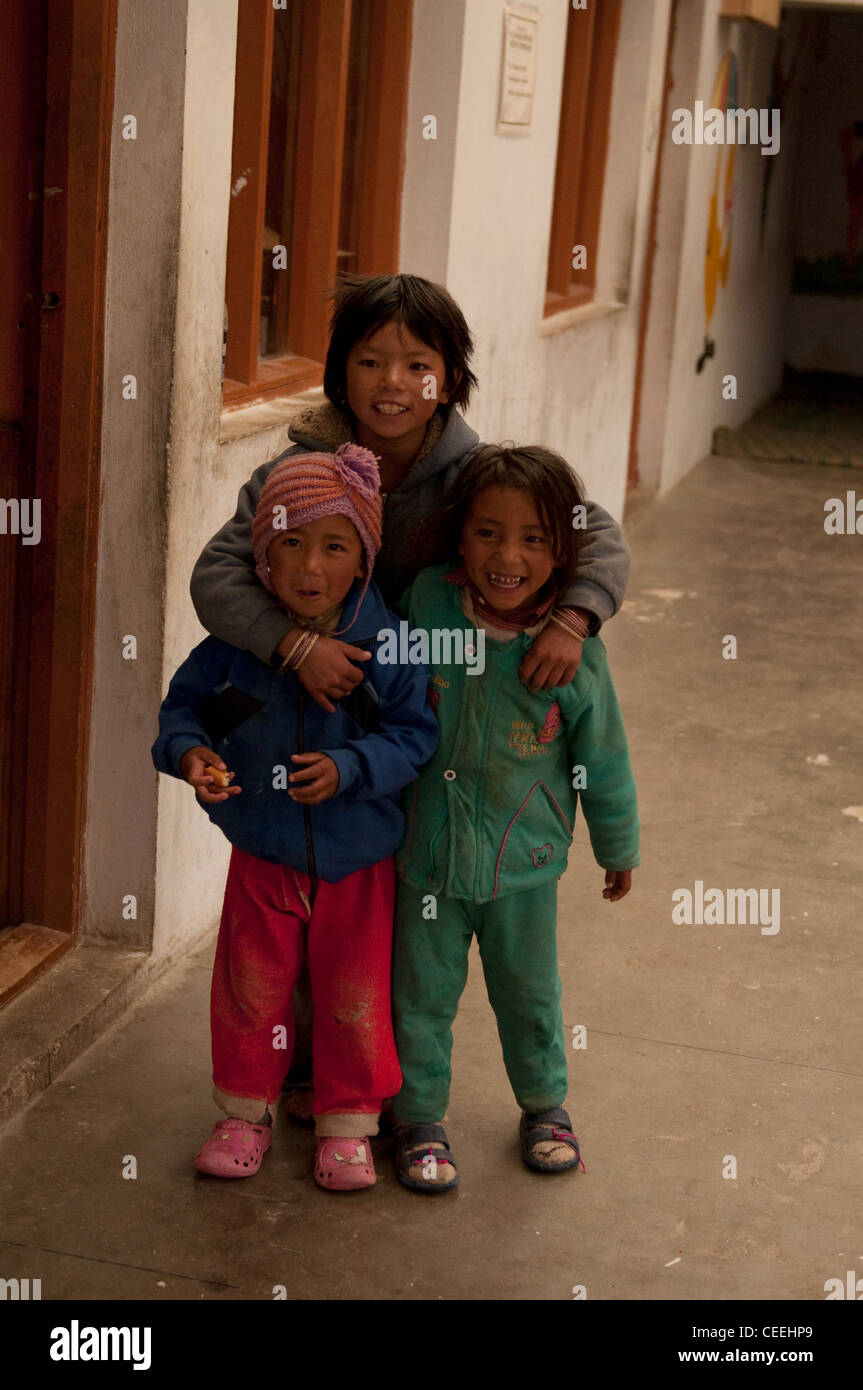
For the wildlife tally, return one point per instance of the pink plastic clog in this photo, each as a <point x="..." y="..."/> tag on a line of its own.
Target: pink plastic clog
<point x="234" y="1149"/>
<point x="344" y="1165"/>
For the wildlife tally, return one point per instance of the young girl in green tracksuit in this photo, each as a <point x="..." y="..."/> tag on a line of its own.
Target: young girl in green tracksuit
<point x="491" y="818"/>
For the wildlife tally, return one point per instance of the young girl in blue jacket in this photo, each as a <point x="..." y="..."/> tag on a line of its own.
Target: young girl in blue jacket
<point x="491" y="817"/>
<point x="310" y="803"/>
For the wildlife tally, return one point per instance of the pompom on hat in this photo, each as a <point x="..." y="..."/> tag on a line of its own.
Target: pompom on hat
<point x="309" y="486"/>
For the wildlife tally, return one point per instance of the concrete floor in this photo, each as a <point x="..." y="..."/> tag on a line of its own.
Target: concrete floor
<point x="702" y="1041"/>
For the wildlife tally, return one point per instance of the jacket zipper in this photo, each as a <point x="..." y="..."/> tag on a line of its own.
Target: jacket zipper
<point x="480" y="781"/>
<point x="301" y="748"/>
<point x="494" y="684"/>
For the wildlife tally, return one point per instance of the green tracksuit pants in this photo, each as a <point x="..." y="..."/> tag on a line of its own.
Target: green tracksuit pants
<point x="517" y="938"/>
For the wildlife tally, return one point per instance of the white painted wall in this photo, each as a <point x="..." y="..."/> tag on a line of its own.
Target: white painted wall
<point x="570" y="390"/>
<point x="167" y="484"/>
<point x="476" y="213"/>
<point x="143" y="236"/>
<point x="665" y="283"/>
<point x="478" y="218"/>
<point x="436" y="48"/>
<point x="192" y="853"/>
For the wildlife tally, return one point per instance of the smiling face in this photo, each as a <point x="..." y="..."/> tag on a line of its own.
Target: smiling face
<point x="506" y="547"/>
<point x="313" y="567"/>
<point x="386" y="375"/>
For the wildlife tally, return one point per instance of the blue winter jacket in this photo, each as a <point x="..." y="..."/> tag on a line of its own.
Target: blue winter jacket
<point x="379" y="737"/>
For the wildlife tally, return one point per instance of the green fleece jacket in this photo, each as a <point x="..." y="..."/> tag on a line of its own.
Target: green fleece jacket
<point x="493" y="813"/>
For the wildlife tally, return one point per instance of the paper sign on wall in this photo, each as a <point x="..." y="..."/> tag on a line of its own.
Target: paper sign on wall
<point x="518" y="69"/>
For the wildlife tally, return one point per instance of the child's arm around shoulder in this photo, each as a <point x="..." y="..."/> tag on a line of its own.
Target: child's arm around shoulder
<point x="603" y="566"/>
<point x="595" y="594"/>
<point x="229" y="599"/>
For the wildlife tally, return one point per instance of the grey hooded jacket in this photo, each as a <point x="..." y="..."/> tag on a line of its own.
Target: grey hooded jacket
<point x="234" y="606"/>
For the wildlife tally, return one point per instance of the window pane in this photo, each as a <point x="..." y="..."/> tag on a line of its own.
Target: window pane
<point x="349" y="231"/>
<point x="282" y="171"/>
<point x="281" y="177"/>
<point x="355" y="131"/>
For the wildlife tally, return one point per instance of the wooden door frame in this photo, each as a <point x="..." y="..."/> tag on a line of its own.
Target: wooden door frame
<point x="78" y="136"/>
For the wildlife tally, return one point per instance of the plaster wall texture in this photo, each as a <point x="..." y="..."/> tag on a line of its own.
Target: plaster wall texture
<point x="192" y="854"/>
<point x="476" y="214"/>
<point x="120" y="836"/>
<point x="665" y="283"/>
<point x="493" y="237"/>
<point x="435" y="71"/>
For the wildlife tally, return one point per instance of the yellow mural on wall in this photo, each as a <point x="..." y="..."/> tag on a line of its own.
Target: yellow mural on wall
<point x="718" y="253"/>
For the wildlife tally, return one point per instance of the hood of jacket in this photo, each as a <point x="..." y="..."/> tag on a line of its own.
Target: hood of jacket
<point x="448" y="437"/>
<point x="358" y="624"/>
<point x="371" y="616"/>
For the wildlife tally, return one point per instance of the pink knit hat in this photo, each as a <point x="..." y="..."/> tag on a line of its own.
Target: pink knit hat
<point x="309" y="486"/>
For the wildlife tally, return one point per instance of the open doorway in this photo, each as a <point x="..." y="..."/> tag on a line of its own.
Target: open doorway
<point x="817" y="415"/>
<point x="57" y="108"/>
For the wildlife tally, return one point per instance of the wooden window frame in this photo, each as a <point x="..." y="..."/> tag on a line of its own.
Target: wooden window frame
<point x="760" y="11"/>
<point x="582" y="150"/>
<point x="317" y="200"/>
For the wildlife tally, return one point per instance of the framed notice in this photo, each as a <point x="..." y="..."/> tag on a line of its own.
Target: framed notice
<point x="518" y="69"/>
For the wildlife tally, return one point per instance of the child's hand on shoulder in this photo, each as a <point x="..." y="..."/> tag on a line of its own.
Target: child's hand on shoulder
<point x="617" y="884"/>
<point x="204" y="770"/>
<point x="551" y="660"/>
<point x="318" y="780"/>
<point x="329" y="671"/>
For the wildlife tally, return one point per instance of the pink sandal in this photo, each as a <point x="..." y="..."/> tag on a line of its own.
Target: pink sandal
<point x="234" y="1149"/>
<point x="344" y="1165"/>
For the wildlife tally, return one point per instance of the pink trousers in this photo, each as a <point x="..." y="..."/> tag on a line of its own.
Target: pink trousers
<point x="269" y="912"/>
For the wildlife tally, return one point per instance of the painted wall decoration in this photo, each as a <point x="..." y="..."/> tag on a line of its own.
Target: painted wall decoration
<point x="718" y="253"/>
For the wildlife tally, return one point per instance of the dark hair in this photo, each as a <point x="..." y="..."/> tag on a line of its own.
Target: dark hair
<point x="554" y="487"/>
<point x="364" y="303"/>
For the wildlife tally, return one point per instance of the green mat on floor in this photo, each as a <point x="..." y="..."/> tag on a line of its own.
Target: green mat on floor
<point x="798" y="431"/>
